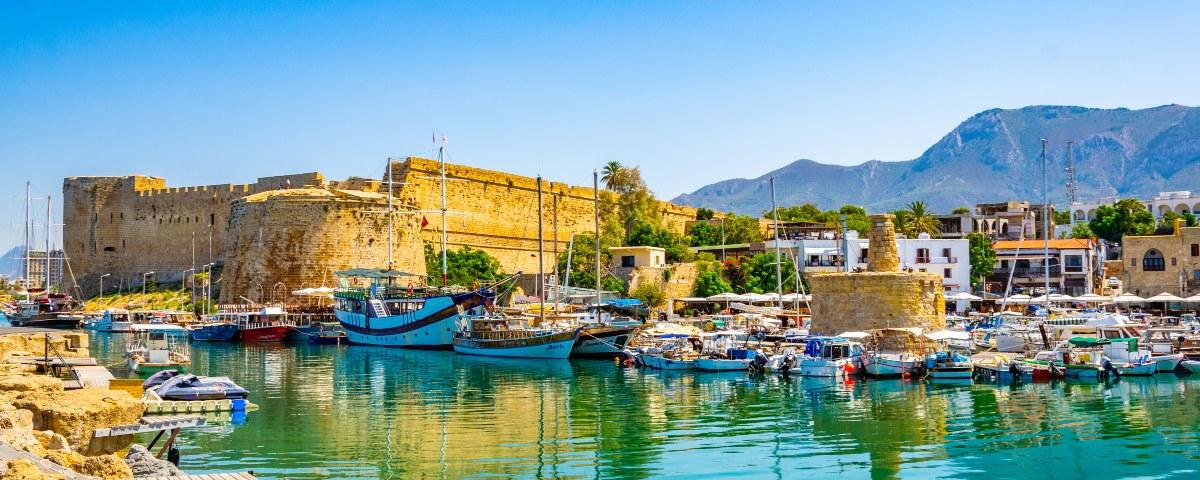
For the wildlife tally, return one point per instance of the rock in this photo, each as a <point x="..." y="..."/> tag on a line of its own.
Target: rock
<point x="30" y="383"/>
<point x="76" y="414"/>
<point x="103" y="466"/>
<point x="143" y="464"/>
<point x="51" y="440"/>
<point x="11" y="417"/>
<point x="22" y="439"/>
<point x="23" y="469"/>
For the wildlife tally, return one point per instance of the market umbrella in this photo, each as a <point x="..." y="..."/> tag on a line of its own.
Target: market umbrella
<point x="964" y="296"/>
<point x="1193" y="299"/>
<point x="1164" y="297"/>
<point x="1093" y="298"/>
<point x="1058" y="297"/>
<point x="1017" y="299"/>
<point x="727" y="298"/>
<point x="1128" y="298"/>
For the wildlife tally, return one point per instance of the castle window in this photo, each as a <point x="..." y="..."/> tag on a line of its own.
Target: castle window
<point x="122" y="244"/>
<point x="1153" y="261"/>
<point x="109" y="249"/>
<point x="1172" y="261"/>
<point x="212" y="219"/>
<point x="110" y="217"/>
<point x="122" y="215"/>
<point x="1196" y="249"/>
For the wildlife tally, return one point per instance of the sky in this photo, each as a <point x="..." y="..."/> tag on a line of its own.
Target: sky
<point x="691" y="92"/>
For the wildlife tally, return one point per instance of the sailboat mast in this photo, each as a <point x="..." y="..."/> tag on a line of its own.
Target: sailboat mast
<point x="442" y="161"/>
<point x="389" y="212"/>
<point x="596" y="233"/>
<point x="541" y="287"/>
<point x="1045" y="226"/>
<point x="778" y="259"/>
<point x="28" y="232"/>
<point x="46" y="285"/>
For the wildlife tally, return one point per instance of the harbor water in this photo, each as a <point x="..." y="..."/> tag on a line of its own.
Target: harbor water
<point x="366" y="412"/>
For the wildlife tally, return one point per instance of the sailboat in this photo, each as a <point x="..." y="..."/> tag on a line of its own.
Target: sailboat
<point x="500" y="336"/>
<point x="387" y="313"/>
<point x="49" y="310"/>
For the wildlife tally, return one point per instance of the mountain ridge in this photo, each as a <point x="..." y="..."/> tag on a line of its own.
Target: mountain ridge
<point x="994" y="155"/>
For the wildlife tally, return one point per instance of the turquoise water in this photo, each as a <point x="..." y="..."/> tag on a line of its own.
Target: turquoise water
<point x="364" y="412"/>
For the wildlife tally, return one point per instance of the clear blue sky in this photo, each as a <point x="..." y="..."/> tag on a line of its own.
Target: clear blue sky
<point x="693" y="92"/>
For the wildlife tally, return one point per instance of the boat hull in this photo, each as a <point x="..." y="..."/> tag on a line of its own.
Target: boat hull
<point x="152" y="368"/>
<point x="215" y="333"/>
<point x="556" y="346"/>
<point x="1168" y="363"/>
<point x="951" y="372"/>
<point x="662" y="363"/>
<point x="603" y="342"/>
<point x="877" y="366"/>
<point x="721" y="365"/>
<point x="1190" y="365"/>
<point x="263" y="334"/>
<point x="1148" y="368"/>
<point x="39" y="322"/>
<point x="824" y="368"/>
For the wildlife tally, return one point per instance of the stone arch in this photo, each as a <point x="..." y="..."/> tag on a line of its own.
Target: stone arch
<point x="1092" y="214"/>
<point x="1163" y="209"/>
<point x="1182" y="208"/>
<point x="1080" y="216"/>
<point x="1003" y="229"/>
<point x="1196" y="209"/>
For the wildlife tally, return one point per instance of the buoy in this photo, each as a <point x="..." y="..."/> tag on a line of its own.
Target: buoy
<point x="628" y="362"/>
<point x="848" y="368"/>
<point x="905" y="375"/>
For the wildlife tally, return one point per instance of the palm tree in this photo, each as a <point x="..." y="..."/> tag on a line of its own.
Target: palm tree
<point x="612" y="172"/>
<point x="920" y="220"/>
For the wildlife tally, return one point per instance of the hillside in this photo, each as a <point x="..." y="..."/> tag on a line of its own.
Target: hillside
<point x="995" y="156"/>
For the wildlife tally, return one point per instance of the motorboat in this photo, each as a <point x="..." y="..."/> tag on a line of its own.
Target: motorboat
<point x="114" y="320"/>
<point x="951" y="360"/>
<point x="328" y="333"/>
<point x="670" y="353"/>
<point x="498" y="336"/>
<point x="1192" y="366"/>
<point x="830" y="357"/>
<point x="894" y="352"/>
<point x="255" y="323"/>
<point x="1128" y="358"/>
<point x="603" y="335"/>
<point x="176" y="385"/>
<point x="1163" y="343"/>
<point x="719" y="352"/>
<point x="151" y="352"/>
<point x="49" y="311"/>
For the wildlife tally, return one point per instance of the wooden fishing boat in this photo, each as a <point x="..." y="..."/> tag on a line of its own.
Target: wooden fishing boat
<point x="152" y="352"/>
<point x="496" y="337"/>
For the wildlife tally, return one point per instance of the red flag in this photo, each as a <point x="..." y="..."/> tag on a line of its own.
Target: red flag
<point x="424" y="221"/>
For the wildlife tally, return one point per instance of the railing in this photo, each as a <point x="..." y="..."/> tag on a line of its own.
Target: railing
<point x="1029" y="272"/>
<point x="823" y="263"/>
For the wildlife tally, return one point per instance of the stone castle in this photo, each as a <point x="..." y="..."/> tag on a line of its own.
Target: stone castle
<point x="288" y="232"/>
<point x="883" y="297"/>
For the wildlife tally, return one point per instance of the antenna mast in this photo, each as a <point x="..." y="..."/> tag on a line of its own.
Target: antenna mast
<point x="46" y="286"/>
<point x="28" y="232"/>
<point x="389" y="212"/>
<point x="442" y="161"/>
<point x="1072" y="185"/>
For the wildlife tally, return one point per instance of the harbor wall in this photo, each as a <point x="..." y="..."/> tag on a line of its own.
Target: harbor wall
<point x="125" y="226"/>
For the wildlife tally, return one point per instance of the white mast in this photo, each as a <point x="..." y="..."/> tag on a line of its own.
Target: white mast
<point x="442" y="160"/>
<point x="46" y="286"/>
<point x="1045" y="227"/>
<point x="778" y="259"/>
<point x="28" y="232"/>
<point x="596" y="211"/>
<point x="541" y="264"/>
<point x="389" y="212"/>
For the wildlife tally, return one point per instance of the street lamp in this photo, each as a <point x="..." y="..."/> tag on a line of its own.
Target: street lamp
<point x="102" y="283"/>
<point x="144" y="276"/>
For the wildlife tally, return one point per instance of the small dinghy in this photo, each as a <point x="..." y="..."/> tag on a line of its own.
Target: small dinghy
<point x="172" y="385"/>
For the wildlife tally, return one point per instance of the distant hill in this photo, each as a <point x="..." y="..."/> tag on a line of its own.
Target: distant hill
<point x="995" y="156"/>
<point x="12" y="264"/>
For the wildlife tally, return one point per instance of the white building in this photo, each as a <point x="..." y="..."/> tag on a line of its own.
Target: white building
<point x="950" y="257"/>
<point x="1178" y="202"/>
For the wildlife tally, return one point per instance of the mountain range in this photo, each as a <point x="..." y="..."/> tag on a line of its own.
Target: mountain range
<point x="995" y="156"/>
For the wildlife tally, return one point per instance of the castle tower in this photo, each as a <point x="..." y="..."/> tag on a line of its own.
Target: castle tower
<point x="882" y="256"/>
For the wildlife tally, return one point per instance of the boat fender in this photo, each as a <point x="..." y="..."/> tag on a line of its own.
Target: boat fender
<point x="710" y="326"/>
<point x="238" y="404"/>
<point x="848" y="368"/>
<point x="410" y="288"/>
<point x="173" y="456"/>
<point x="628" y="362"/>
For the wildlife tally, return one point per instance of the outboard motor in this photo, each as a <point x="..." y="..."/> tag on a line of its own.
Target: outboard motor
<point x="758" y="362"/>
<point x="1014" y="370"/>
<point x="1106" y="363"/>
<point x="786" y="368"/>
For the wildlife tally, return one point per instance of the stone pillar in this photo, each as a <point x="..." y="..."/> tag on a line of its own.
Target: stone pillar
<point x="882" y="255"/>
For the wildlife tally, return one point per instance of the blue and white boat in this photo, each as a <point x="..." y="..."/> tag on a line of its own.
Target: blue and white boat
<point x="388" y="315"/>
<point x="719" y="352"/>
<point x="114" y="320"/>
<point x="830" y="357"/>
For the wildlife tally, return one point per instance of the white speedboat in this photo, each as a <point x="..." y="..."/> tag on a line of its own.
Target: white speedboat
<point x="894" y="352"/>
<point x="1191" y="366"/>
<point x="830" y="357"/>
<point x="719" y="352"/>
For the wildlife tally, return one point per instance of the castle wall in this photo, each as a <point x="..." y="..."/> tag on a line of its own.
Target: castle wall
<point x="291" y="239"/>
<point x="497" y="212"/>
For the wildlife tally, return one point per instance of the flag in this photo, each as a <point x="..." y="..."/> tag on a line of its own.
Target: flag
<point x="424" y="221"/>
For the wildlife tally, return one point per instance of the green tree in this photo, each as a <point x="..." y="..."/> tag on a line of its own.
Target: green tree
<point x="1125" y="217"/>
<point x="798" y="213"/>
<point x="737" y="229"/>
<point x="465" y="267"/>
<point x="611" y="174"/>
<point x="1166" y="224"/>
<point x="1080" y="230"/>
<point x="920" y="219"/>
<point x="983" y="258"/>
<point x="1062" y="217"/>
<point x="650" y="295"/>
<point x="758" y="273"/>
<point x="644" y="234"/>
<point x="583" y="264"/>
<point x="961" y="211"/>
<point x="704" y="214"/>
<point x="711" y="283"/>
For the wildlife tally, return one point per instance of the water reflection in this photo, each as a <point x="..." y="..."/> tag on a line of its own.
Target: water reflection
<point x="362" y="412"/>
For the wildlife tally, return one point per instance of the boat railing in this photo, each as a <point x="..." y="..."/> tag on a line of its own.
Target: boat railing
<point x="244" y="308"/>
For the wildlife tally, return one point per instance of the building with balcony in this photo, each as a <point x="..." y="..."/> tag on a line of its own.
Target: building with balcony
<point x="1162" y="263"/>
<point x="1073" y="266"/>
<point x="1178" y="202"/>
<point x="999" y="221"/>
